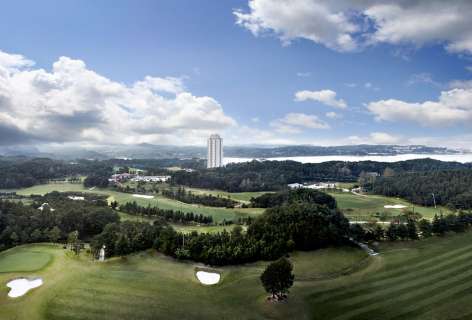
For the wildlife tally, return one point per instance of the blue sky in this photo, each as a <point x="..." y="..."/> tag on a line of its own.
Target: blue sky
<point x="235" y="68"/>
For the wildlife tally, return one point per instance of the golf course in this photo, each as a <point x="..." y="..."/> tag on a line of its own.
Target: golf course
<point x="426" y="279"/>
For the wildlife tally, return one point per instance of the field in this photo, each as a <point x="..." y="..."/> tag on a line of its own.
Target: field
<point x="218" y="214"/>
<point x="428" y="279"/>
<point x="363" y="207"/>
<point x="149" y="286"/>
<point x="355" y="207"/>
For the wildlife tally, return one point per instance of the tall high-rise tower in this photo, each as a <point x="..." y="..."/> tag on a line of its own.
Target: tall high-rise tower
<point x="215" y="151"/>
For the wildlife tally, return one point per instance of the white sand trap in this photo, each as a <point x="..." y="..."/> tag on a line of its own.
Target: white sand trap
<point x="395" y="206"/>
<point x="208" y="278"/>
<point x="93" y="188"/>
<point x="143" y="196"/>
<point x="21" y="286"/>
<point x="76" y="198"/>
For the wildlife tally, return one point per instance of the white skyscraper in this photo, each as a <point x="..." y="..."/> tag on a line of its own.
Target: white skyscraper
<point x="215" y="151"/>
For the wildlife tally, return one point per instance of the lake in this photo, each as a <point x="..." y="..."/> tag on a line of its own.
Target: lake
<point x="463" y="158"/>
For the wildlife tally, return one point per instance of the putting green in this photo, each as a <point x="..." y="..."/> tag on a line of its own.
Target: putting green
<point x="23" y="260"/>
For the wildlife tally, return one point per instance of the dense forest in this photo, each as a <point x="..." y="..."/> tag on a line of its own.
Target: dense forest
<point x="275" y="175"/>
<point x="51" y="218"/>
<point x="269" y="200"/>
<point x="452" y="188"/>
<point x="20" y="172"/>
<point x="183" y="195"/>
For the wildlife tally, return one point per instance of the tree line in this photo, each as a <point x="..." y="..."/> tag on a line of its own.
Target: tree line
<point x="275" y="175"/>
<point x="452" y="188"/>
<point x="58" y="216"/>
<point x="269" y="200"/>
<point x="168" y="215"/>
<point x="209" y="200"/>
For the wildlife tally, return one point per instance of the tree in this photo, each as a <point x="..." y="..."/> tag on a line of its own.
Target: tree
<point x="73" y="241"/>
<point x="412" y="232"/>
<point x="388" y="172"/>
<point x="425" y="228"/>
<point x="54" y="234"/>
<point x="37" y="235"/>
<point x="277" y="278"/>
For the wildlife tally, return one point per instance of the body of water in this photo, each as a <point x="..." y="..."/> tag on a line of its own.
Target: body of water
<point x="463" y="158"/>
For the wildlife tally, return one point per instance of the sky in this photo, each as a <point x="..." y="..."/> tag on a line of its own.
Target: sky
<point x="270" y="72"/>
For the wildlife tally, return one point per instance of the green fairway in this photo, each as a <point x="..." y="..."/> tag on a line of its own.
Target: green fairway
<point x="23" y="260"/>
<point x="364" y="207"/>
<point x="244" y="197"/>
<point x="428" y="279"/>
<point x="218" y="214"/>
<point x="180" y="227"/>
<point x="149" y="286"/>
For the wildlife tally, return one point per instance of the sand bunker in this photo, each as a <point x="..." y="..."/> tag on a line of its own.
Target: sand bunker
<point x="395" y="206"/>
<point x="208" y="278"/>
<point x="142" y="196"/>
<point x="76" y="198"/>
<point x="21" y="286"/>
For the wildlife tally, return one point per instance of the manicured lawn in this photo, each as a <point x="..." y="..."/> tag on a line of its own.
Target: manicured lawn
<point x="364" y="206"/>
<point x="147" y="285"/>
<point x="23" y="260"/>
<point x="427" y="279"/>
<point x="218" y="214"/>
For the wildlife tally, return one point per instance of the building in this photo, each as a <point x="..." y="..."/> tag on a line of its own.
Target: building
<point x="215" y="151"/>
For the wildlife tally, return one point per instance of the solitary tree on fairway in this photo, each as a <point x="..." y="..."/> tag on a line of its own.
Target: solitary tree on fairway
<point x="277" y="278"/>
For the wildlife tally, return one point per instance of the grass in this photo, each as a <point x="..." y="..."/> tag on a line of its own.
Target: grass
<point x="23" y="260"/>
<point x="148" y="285"/>
<point x="218" y="214"/>
<point x="355" y="207"/>
<point x="428" y="279"/>
<point x="362" y="207"/>
<point x="180" y="227"/>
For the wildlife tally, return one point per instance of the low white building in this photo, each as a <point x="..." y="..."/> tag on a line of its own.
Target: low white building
<point x="151" y="178"/>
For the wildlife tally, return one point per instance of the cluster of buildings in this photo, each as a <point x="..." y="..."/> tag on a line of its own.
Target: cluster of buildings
<point x="121" y="177"/>
<point x="316" y="186"/>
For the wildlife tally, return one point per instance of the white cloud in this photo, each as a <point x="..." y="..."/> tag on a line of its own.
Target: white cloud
<point x="327" y="97"/>
<point x="460" y="84"/>
<point x="422" y="78"/>
<point x="75" y="104"/>
<point x="333" y="115"/>
<point x="294" y="19"/>
<point x="295" y="122"/>
<point x="376" y="138"/>
<point x="347" y="25"/>
<point x="453" y="106"/>
<point x="303" y="74"/>
<point x="255" y="119"/>
<point x="469" y="68"/>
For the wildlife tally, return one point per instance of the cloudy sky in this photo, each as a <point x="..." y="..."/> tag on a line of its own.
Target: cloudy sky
<point x="257" y="72"/>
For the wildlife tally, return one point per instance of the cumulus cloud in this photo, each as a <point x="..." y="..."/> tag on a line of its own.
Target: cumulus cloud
<point x="348" y="25"/>
<point x="333" y="115"/>
<point x="327" y="97"/>
<point x="376" y="138"/>
<point x="422" y="78"/>
<point x="453" y="106"/>
<point x="72" y="103"/>
<point x="296" y="122"/>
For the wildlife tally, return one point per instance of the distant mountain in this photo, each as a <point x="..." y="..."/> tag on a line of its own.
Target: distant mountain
<point x="150" y="151"/>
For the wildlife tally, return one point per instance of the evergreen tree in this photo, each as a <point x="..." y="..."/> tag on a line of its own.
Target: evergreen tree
<point x="277" y="278"/>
